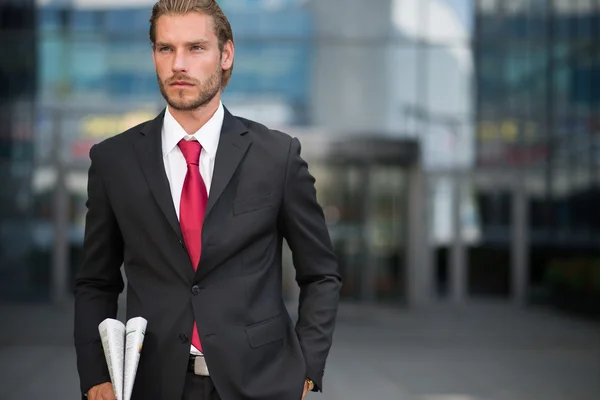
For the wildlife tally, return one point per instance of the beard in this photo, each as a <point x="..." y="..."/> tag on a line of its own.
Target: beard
<point x="209" y="88"/>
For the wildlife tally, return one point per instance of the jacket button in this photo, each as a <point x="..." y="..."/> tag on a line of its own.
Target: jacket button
<point x="183" y="338"/>
<point x="195" y="290"/>
<point x="182" y="244"/>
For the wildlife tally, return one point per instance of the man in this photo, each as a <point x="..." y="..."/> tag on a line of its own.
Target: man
<point x="195" y="205"/>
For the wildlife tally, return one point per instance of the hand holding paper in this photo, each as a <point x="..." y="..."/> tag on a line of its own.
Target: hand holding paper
<point x="104" y="391"/>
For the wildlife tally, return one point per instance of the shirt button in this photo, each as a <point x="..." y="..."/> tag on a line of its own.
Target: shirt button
<point x="183" y="338"/>
<point x="195" y="290"/>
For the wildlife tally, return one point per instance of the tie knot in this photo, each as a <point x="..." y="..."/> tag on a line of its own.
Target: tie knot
<point x="191" y="150"/>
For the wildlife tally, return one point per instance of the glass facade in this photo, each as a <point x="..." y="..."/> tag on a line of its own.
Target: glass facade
<point x="538" y="103"/>
<point x="366" y="205"/>
<point x="538" y="115"/>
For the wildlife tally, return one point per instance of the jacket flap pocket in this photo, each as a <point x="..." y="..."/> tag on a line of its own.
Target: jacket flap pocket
<point x="253" y="204"/>
<point x="265" y="332"/>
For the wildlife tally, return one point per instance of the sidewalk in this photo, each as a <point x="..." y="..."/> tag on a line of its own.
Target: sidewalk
<point x="486" y="351"/>
<point x="481" y="352"/>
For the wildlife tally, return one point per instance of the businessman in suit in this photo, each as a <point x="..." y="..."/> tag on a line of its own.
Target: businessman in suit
<point x="195" y="205"/>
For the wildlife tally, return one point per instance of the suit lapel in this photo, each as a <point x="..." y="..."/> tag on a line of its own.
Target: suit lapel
<point x="232" y="147"/>
<point x="233" y="144"/>
<point x="148" y="148"/>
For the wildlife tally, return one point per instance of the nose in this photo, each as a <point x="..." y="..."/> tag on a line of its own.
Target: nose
<point x="179" y="62"/>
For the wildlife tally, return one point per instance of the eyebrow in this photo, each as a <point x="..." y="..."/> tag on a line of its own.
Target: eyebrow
<point x="192" y="43"/>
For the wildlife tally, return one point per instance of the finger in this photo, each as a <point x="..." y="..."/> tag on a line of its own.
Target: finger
<point x="108" y="394"/>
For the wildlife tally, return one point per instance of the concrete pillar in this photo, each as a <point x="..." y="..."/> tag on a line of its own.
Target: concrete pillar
<point x="519" y="243"/>
<point x="60" y="254"/>
<point x="419" y="267"/>
<point x="368" y="266"/>
<point x="458" y="256"/>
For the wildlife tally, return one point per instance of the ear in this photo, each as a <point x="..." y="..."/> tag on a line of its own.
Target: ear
<point x="154" y="54"/>
<point x="227" y="55"/>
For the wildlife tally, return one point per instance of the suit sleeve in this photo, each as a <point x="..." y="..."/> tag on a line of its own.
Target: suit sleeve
<point x="98" y="282"/>
<point x="316" y="266"/>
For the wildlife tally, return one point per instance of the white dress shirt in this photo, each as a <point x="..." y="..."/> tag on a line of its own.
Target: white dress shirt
<point x="175" y="165"/>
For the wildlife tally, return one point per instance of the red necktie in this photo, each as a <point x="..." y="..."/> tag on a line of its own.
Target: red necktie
<point x="192" y="207"/>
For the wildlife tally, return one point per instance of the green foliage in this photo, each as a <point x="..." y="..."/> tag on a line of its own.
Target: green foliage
<point x="575" y="275"/>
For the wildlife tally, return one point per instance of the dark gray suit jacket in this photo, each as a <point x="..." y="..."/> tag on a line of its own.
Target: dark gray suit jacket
<point x="261" y="192"/>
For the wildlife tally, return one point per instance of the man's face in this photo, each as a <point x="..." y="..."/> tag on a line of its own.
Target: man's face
<point x="188" y="61"/>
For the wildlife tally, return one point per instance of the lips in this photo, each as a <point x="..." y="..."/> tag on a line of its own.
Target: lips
<point x="181" y="83"/>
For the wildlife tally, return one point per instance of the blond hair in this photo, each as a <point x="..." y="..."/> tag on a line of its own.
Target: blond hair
<point x="221" y="25"/>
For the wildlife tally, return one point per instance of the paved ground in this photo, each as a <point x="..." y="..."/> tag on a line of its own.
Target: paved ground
<point x="480" y="352"/>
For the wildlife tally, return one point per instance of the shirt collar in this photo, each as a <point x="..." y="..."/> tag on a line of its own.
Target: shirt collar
<point x="208" y="135"/>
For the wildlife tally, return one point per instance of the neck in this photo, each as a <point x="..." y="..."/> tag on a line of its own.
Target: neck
<point x="192" y="121"/>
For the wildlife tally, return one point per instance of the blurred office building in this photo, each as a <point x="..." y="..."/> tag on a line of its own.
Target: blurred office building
<point x="436" y="130"/>
<point x="18" y="88"/>
<point x="538" y="124"/>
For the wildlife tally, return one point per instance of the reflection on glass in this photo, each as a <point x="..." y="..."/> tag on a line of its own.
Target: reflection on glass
<point x="365" y="210"/>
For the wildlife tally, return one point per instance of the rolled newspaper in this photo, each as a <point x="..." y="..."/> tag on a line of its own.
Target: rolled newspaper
<point x="122" y="349"/>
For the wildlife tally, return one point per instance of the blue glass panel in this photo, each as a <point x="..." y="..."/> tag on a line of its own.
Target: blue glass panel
<point x="271" y="68"/>
<point x="49" y="19"/>
<point x="255" y="23"/>
<point x="88" y="65"/>
<point x="84" y="20"/>
<point x="51" y="61"/>
<point x="127" y="20"/>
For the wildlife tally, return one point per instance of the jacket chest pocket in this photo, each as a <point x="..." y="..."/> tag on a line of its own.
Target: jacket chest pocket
<point x="255" y="203"/>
